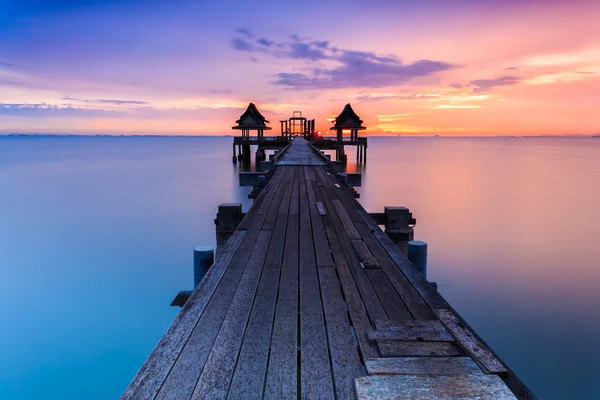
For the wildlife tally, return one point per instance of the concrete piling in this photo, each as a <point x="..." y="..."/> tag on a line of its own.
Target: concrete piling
<point x="417" y="255"/>
<point x="204" y="256"/>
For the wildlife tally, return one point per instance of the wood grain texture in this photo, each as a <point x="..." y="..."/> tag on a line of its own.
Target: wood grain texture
<point x="432" y="331"/>
<point x="423" y="387"/>
<point x="151" y="376"/>
<point x="422" y="366"/>
<point x="486" y="360"/>
<point x="282" y="382"/>
<point x="398" y="348"/>
<point x="251" y="367"/>
<point x="364" y="254"/>
<point x="315" y="368"/>
<point x="216" y="375"/>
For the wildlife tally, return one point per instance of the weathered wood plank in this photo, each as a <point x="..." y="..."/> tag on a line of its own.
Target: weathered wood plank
<point x="398" y="348"/>
<point x="366" y="226"/>
<point x="392" y="303"/>
<point x="250" y="370"/>
<point x="281" y="382"/>
<point x="345" y="359"/>
<point x="189" y="363"/>
<point x="423" y="387"/>
<point x="356" y="308"/>
<point x="384" y="324"/>
<point x="364" y="255"/>
<point x="345" y="219"/>
<point x="482" y="356"/>
<point x="215" y="377"/>
<point x="321" y="209"/>
<point x="322" y="251"/>
<point x="368" y="294"/>
<point x="265" y="196"/>
<point x="151" y="375"/>
<point x="376" y="290"/>
<point x="422" y="366"/>
<point x="315" y="371"/>
<point x="434" y="331"/>
<point x="277" y="200"/>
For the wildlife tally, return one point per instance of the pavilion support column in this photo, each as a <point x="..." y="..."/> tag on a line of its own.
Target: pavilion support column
<point x="234" y="156"/>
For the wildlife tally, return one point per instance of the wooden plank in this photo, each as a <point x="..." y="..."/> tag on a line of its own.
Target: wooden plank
<point x="398" y="348"/>
<point x="189" y="363"/>
<point x="345" y="359"/>
<point x="422" y="366"/>
<point x="432" y="333"/>
<point x="281" y="382"/>
<point x="336" y="233"/>
<point x="364" y="255"/>
<point x="366" y="226"/>
<point x="391" y="301"/>
<point x="345" y="220"/>
<point x="277" y="200"/>
<point x="412" y="334"/>
<point x="322" y="251"/>
<point x="215" y="377"/>
<point x="384" y="324"/>
<point x="265" y="196"/>
<point x="423" y="387"/>
<point x="356" y="308"/>
<point x="153" y="372"/>
<point x="315" y="371"/>
<point x="250" y="370"/>
<point x="482" y="356"/>
<point x="376" y="290"/>
<point x="321" y="208"/>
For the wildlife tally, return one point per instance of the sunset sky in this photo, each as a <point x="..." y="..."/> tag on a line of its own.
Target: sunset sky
<point x="407" y="67"/>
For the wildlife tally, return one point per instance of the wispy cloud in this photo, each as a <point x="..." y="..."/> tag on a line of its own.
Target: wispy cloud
<point x="108" y="101"/>
<point x="484" y="85"/>
<point x="351" y="68"/>
<point x="388" y="96"/>
<point x="224" y="91"/>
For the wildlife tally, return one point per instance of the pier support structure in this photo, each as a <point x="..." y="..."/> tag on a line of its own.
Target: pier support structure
<point x="399" y="226"/>
<point x="228" y="218"/>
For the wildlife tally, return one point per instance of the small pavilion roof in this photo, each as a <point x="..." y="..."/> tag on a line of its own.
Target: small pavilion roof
<point x="251" y="119"/>
<point x="348" y="119"/>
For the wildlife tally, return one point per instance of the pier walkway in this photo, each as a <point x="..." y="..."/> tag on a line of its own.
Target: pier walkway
<point x="300" y="153"/>
<point x="310" y="299"/>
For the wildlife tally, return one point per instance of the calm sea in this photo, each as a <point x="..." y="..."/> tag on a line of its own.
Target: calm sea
<point x="96" y="238"/>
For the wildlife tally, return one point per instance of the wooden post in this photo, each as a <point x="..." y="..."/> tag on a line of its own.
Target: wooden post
<point x="204" y="257"/>
<point x="397" y="226"/>
<point x="234" y="156"/>
<point x="228" y="218"/>
<point x="417" y="255"/>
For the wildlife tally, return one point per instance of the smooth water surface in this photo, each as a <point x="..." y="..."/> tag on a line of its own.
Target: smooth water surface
<point x="96" y="238"/>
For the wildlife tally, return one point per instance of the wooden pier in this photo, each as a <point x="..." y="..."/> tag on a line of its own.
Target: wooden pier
<point x="310" y="299"/>
<point x="298" y="126"/>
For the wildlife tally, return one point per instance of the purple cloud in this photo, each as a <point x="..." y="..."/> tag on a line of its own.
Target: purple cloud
<point x="242" y="45"/>
<point x="105" y="101"/>
<point x="265" y="42"/>
<point x="355" y="68"/>
<point x="484" y="85"/>
<point x="245" y="32"/>
<point x="361" y="72"/>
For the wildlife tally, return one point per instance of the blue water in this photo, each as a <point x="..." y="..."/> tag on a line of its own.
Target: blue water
<point x="96" y="238"/>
